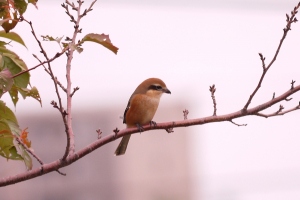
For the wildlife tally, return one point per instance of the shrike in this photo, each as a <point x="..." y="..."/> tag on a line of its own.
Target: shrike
<point x="141" y="107"/>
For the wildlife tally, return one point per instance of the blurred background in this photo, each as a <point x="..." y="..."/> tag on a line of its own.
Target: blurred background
<point x="190" y="45"/>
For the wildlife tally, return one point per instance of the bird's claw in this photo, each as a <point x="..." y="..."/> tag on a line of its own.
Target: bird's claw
<point x="153" y="123"/>
<point x="140" y="127"/>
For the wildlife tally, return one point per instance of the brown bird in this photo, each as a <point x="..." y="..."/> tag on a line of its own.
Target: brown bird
<point x="141" y="107"/>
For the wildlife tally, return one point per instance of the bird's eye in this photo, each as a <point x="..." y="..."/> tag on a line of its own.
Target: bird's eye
<point x="158" y="87"/>
<point x="155" y="87"/>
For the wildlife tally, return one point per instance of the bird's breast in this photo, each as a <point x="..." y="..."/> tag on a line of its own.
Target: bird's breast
<point x="142" y="110"/>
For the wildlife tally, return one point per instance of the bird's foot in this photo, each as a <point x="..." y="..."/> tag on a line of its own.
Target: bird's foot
<point x="140" y="127"/>
<point x="153" y="123"/>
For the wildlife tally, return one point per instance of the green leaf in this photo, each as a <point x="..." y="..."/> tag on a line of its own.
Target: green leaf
<point x="7" y="147"/>
<point x="12" y="36"/>
<point x="3" y="49"/>
<point x="50" y="38"/>
<point x="6" y="113"/>
<point x="19" y="81"/>
<point x="6" y="140"/>
<point x="4" y="8"/>
<point x="15" y="58"/>
<point x="101" y="39"/>
<point x="21" y="6"/>
<point x="14" y="154"/>
<point x="6" y="82"/>
<point x="26" y="157"/>
<point x="7" y="26"/>
<point x="34" y="93"/>
<point x="3" y="21"/>
<point x="14" y="95"/>
<point x="2" y="43"/>
<point x="33" y="2"/>
<point x="6" y="52"/>
<point x="14" y="127"/>
<point x="9" y="129"/>
<point x="75" y="47"/>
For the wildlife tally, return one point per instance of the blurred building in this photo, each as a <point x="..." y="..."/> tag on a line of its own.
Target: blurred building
<point x="155" y="166"/>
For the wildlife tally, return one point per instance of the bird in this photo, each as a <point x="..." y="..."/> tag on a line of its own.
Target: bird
<point x="141" y="108"/>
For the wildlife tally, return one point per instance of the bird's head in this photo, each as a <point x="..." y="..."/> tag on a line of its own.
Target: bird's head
<point x="153" y="87"/>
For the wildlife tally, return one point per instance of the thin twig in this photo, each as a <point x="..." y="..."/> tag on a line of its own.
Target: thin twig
<point x="74" y="90"/>
<point x="99" y="133"/>
<point x="292" y="84"/>
<point x="61" y="86"/>
<point x="167" y="125"/>
<point x="278" y="113"/>
<point x="262" y="58"/>
<point x="62" y="111"/>
<point x="29" y="151"/>
<point x="185" y="114"/>
<point x="170" y="129"/>
<point x="67" y="11"/>
<point x="41" y="63"/>
<point x="288" y="99"/>
<point x="237" y="124"/>
<point x="71" y="146"/>
<point x="34" y="155"/>
<point x="289" y="20"/>
<point x="213" y="89"/>
<point x="88" y="10"/>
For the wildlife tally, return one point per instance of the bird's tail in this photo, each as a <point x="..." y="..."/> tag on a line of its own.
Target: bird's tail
<point x="122" y="146"/>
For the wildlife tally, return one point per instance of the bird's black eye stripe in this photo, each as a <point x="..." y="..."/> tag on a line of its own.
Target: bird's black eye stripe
<point x="155" y="87"/>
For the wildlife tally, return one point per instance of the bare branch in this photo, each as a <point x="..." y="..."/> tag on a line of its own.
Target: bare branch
<point x="75" y="89"/>
<point x="292" y="84"/>
<point x="171" y="129"/>
<point x="185" y="114"/>
<point x="61" y="85"/>
<point x="88" y="10"/>
<point x="279" y="112"/>
<point x="290" y="20"/>
<point x="237" y="124"/>
<point x="166" y="126"/>
<point x="212" y="89"/>
<point x="67" y="10"/>
<point x="70" y="149"/>
<point x="34" y="155"/>
<point x="99" y="133"/>
<point x="262" y="60"/>
<point x="41" y="63"/>
<point x="29" y="151"/>
<point x="63" y="114"/>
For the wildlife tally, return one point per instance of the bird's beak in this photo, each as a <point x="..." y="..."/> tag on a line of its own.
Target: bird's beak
<point x="166" y="91"/>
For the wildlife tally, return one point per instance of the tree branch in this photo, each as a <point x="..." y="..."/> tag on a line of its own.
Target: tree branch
<point x="166" y="126"/>
<point x="70" y="149"/>
<point x="279" y="112"/>
<point x="42" y="63"/>
<point x="212" y="90"/>
<point x="60" y="108"/>
<point x="34" y="155"/>
<point x="289" y="20"/>
<point x="71" y="156"/>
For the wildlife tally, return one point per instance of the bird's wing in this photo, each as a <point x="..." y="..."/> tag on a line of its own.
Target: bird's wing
<point x="127" y="108"/>
<point x="128" y="105"/>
